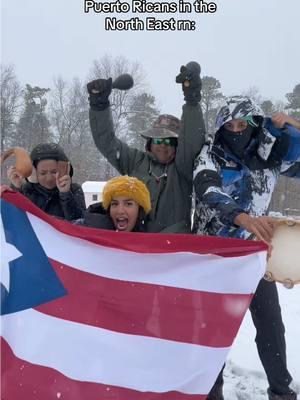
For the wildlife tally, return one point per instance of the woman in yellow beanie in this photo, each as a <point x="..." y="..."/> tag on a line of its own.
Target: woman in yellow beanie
<point x="125" y="205"/>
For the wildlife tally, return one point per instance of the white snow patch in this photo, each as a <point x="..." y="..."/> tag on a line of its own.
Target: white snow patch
<point x="244" y="376"/>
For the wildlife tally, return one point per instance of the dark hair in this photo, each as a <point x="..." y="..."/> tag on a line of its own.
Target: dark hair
<point x="141" y="221"/>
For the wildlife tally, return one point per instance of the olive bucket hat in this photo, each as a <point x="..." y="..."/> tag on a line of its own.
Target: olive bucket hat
<point x="165" y="126"/>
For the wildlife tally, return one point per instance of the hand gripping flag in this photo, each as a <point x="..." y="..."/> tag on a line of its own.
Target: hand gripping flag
<point x="100" y="315"/>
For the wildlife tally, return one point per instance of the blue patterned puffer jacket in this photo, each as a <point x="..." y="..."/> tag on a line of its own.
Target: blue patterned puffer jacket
<point x="225" y="185"/>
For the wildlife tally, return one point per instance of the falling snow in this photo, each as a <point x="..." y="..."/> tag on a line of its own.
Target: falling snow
<point x="244" y="376"/>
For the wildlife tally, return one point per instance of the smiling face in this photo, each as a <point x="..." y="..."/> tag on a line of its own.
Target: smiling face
<point x="46" y="173"/>
<point x="164" y="153"/>
<point x="124" y="213"/>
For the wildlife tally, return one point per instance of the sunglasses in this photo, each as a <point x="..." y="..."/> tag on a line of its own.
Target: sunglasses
<point x="166" y="141"/>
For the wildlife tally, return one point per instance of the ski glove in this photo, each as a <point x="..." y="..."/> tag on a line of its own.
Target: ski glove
<point x="99" y="91"/>
<point x="190" y="79"/>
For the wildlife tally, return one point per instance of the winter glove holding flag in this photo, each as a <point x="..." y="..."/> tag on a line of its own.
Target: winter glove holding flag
<point x="190" y="79"/>
<point x="99" y="91"/>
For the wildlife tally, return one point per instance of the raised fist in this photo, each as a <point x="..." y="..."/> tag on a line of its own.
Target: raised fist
<point x="99" y="91"/>
<point x="190" y="80"/>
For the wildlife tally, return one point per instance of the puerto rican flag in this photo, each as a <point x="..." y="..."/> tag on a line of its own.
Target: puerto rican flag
<point x="89" y="314"/>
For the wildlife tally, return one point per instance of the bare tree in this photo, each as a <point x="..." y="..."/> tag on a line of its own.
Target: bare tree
<point x="210" y="100"/>
<point x="69" y="116"/>
<point x="33" y="126"/>
<point x="279" y="106"/>
<point x="254" y="93"/>
<point x="10" y="103"/>
<point x="68" y="113"/>
<point x="120" y="100"/>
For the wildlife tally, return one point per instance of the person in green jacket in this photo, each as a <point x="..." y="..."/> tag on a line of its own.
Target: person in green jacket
<point x="166" y="167"/>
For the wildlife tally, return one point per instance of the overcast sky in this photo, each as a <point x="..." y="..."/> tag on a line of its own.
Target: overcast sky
<point x="244" y="44"/>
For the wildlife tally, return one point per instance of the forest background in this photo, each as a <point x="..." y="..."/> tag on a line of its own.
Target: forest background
<point x="31" y="114"/>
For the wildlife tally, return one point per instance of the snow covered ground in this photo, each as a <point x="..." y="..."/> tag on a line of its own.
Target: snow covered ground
<point x="244" y="376"/>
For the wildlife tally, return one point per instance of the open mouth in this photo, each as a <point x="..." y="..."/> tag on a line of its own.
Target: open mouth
<point x="121" y="224"/>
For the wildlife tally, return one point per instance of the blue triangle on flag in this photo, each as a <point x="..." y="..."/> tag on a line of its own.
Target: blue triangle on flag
<point x="32" y="280"/>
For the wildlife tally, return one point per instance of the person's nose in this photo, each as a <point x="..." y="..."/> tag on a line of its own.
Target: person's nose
<point x="236" y="129"/>
<point x="120" y="209"/>
<point x="50" y="177"/>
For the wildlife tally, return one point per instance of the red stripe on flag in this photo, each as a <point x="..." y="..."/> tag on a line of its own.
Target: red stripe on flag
<point x="208" y="319"/>
<point x="22" y="380"/>
<point x="137" y="242"/>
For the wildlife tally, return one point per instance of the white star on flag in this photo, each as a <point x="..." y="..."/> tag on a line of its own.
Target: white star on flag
<point x="8" y="253"/>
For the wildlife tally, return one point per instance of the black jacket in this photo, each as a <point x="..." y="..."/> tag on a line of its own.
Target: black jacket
<point x="69" y="206"/>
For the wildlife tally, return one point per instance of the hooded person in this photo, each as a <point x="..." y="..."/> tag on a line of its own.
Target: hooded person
<point x="166" y="167"/>
<point x="234" y="179"/>
<point x="46" y="188"/>
<point x="125" y="206"/>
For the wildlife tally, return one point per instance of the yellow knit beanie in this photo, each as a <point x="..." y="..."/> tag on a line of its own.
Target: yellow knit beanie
<point x="126" y="186"/>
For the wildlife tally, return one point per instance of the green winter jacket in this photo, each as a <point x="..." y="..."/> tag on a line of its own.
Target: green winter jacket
<point x="170" y="196"/>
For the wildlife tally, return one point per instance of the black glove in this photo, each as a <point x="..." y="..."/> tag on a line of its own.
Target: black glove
<point x="190" y="79"/>
<point x="99" y="91"/>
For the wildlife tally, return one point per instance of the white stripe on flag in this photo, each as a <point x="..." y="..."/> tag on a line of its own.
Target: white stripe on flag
<point x="92" y="354"/>
<point x="183" y="270"/>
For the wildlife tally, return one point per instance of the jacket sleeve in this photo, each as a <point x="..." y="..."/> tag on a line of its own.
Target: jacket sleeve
<point x="291" y="170"/>
<point x="293" y="154"/>
<point x="208" y="188"/>
<point x="191" y="139"/>
<point x="118" y="153"/>
<point x="292" y="151"/>
<point x="73" y="203"/>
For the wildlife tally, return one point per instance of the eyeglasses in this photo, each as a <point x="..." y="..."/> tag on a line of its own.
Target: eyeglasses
<point x="166" y="141"/>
